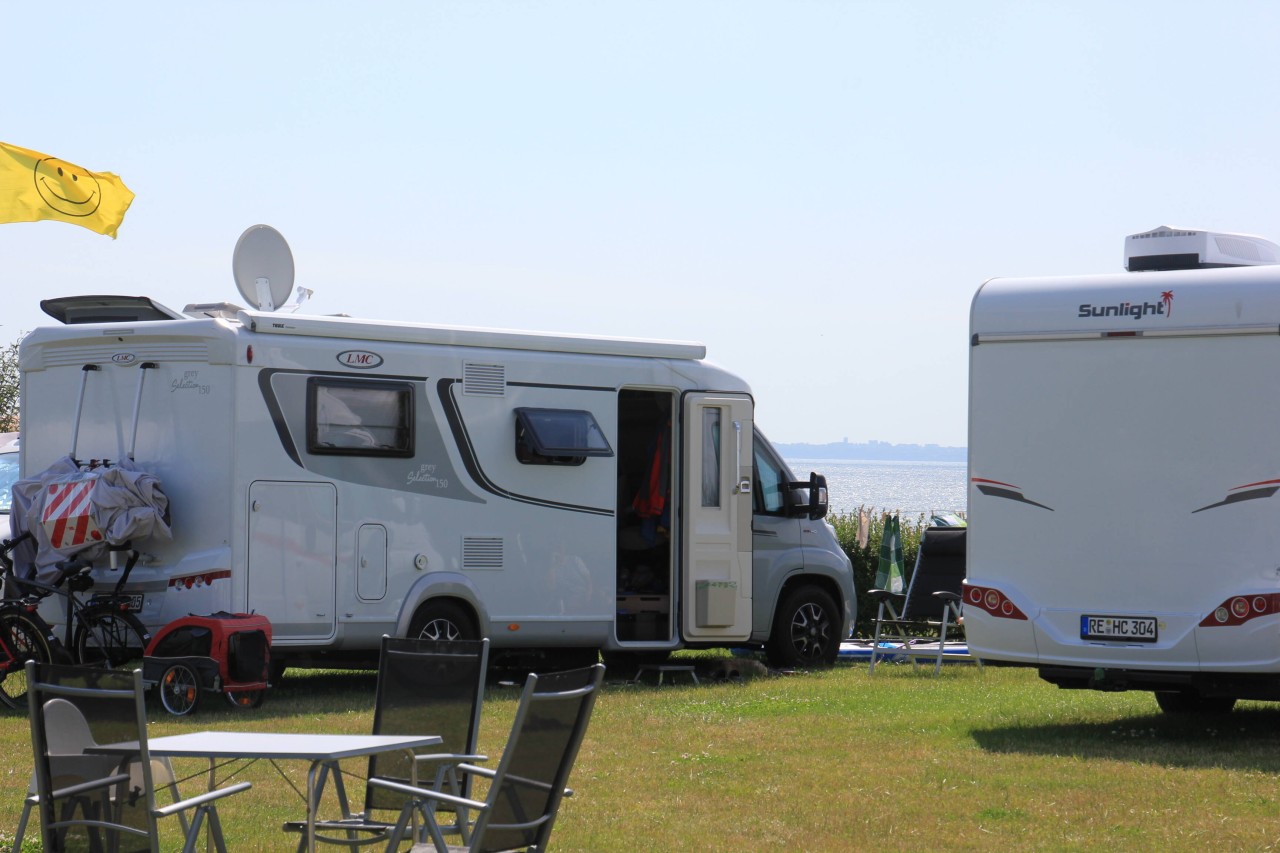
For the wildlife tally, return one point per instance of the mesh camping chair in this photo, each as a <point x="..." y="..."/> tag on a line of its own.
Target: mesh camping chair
<point x="98" y="800"/>
<point x="526" y="787"/>
<point x="430" y="687"/>
<point x="925" y="622"/>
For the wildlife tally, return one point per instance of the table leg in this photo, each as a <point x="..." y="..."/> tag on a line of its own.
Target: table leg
<point x="321" y="769"/>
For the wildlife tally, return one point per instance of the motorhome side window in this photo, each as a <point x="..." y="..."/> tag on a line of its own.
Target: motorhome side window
<point x="558" y="437"/>
<point x="351" y="417"/>
<point x="770" y="483"/>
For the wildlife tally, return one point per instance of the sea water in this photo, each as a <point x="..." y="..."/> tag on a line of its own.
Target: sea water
<point x="911" y="488"/>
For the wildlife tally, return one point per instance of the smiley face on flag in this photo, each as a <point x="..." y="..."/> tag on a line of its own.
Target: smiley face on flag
<point x="67" y="188"/>
<point x="35" y="186"/>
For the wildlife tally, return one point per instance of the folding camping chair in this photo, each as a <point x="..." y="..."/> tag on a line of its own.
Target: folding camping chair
<point x="925" y="622"/>
<point x="87" y="795"/>
<point x="528" y="784"/>
<point x="424" y="687"/>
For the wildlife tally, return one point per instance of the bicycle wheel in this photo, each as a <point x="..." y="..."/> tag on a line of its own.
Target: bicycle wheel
<point x="109" y="637"/>
<point x="28" y="640"/>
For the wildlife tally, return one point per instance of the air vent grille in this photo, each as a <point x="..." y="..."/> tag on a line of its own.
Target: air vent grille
<point x="484" y="380"/>
<point x="69" y="356"/>
<point x="482" y="552"/>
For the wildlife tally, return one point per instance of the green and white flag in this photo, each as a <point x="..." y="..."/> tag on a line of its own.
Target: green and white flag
<point x="889" y="572"/>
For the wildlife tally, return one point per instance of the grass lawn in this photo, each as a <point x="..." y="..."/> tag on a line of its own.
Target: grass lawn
<point x="833" y="760"/>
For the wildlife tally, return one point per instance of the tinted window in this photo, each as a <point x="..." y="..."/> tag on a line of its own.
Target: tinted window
<point x="359" y="418"/>
<point x="558" y="437"/>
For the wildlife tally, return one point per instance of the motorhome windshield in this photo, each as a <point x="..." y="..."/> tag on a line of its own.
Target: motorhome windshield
<point x="8" y="476"/>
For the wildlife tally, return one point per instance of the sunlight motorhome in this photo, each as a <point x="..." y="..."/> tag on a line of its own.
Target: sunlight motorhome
<point x="1124" y="468"/>
<point x="352" y="478"/>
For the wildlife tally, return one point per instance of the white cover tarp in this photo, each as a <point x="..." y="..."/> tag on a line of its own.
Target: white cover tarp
<point x="125" y="504"/>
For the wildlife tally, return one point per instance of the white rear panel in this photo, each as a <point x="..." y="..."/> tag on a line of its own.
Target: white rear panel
<point x="1126" y="476"/>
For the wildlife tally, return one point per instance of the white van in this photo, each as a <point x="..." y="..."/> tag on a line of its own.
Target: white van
<point x="1124" y="473"/>
<point x="352" y="478"/>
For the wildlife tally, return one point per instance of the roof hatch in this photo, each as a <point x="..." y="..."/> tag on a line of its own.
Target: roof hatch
<point x="71" y="310"/>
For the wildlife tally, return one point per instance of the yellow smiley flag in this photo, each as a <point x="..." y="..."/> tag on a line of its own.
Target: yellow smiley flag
<point x="35" y="186"/>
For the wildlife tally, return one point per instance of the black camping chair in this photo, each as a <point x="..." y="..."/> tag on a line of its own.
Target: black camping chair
<point x="433" y="687"/>
<point x="925" y="622"/>
<point x="526" y="788"/>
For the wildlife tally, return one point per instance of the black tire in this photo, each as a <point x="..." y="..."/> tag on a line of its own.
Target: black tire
<point x="1191" y="702"/>
<point x="179" y="689"/>
<point x="241" y="699"/>
<point x="443" y="620"/>
<point x="28" y="639"/>
<point x="106" y="636"/>
<point x="806" y="630"/>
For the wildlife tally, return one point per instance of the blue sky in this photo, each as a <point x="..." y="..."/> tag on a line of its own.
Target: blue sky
<point x="813" y="189"/>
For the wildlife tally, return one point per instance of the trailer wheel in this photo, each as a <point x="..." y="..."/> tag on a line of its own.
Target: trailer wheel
<point x="806" y="630"/>
<point x="1191" y="702"/>
<point x="180" y="689"/>
<point x="442" y="620"/>
<point x="245" y="698"/>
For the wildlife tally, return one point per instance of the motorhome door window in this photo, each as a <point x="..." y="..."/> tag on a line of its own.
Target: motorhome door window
<point x="558" y="437"/>
<point x="711" y="457"/>
<point x="359" y="418"/>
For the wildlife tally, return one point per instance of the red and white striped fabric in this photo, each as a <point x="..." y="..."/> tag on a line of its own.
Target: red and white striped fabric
<point x="68" y="514"/>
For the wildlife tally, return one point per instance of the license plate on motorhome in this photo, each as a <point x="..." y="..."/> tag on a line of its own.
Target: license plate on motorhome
<point x="1129" y="629"/>
<point x="133" y="598"/>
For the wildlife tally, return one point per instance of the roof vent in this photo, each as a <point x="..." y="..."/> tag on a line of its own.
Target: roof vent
<point x="1166" y="248"/>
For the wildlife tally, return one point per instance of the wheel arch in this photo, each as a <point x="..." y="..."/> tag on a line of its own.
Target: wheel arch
<point x="801" y="578"/>
<point x="443" y="586"/>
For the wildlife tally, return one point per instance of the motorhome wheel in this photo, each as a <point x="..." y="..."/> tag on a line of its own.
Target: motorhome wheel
<point x="442" y="620"/>
<point x="805" y="630"/>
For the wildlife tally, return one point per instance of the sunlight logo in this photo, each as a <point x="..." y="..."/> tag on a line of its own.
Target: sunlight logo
<point x="1136" y="310"/>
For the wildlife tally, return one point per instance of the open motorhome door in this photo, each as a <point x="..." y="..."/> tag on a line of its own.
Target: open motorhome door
<point x="716" y="517"/>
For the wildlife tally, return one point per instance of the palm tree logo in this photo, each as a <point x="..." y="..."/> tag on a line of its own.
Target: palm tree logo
<point x="1167" y="299"/>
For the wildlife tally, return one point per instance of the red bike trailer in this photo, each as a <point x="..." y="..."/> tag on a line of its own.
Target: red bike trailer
<point x="227" y="653"/>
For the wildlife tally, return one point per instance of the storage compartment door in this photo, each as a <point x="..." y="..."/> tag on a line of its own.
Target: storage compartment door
<point x="716" y="517"/>
<point x="293" y="558"/>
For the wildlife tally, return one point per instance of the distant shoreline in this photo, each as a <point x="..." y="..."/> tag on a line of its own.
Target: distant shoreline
<point x="874" y="451"/>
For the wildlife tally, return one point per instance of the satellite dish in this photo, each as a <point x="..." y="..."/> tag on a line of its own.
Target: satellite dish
<point x="263" y="267"/>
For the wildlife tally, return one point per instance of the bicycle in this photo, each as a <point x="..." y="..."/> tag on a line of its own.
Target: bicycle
<point x="24" y="636"/>
<point x="100" y="631"/>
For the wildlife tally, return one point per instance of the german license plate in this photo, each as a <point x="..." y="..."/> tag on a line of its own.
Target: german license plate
<point x="1127" y="629"/>
<point x="133" y="599"/>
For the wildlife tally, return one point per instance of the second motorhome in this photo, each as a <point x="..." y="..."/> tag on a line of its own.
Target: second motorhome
<point x="1124" y="467"/>
<point x="354" y="478"/>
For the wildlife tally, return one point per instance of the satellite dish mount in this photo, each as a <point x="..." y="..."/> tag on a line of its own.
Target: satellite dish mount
<point x="263" y="267"/>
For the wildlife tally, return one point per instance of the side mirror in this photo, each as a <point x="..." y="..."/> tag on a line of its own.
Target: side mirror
<point x="817" y="496"/>
<point x="816" y="508"/>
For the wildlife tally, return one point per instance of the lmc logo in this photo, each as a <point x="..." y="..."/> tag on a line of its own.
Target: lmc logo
<point x="359" y="359"/>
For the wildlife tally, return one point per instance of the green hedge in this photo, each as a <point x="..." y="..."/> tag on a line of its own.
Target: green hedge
<point x="864" y="552"/>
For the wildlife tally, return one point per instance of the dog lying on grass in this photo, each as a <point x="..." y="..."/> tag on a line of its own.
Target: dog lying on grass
<point x="731" y="669"/>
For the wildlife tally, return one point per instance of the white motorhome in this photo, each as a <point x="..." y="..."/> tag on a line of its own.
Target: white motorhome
<point x="352" y="478"/>
<point x="1124" y="473"/>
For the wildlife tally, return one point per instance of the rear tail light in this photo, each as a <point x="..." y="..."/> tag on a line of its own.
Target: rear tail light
<point x="1239" y="609"/>
<point x="992" y="601"/>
